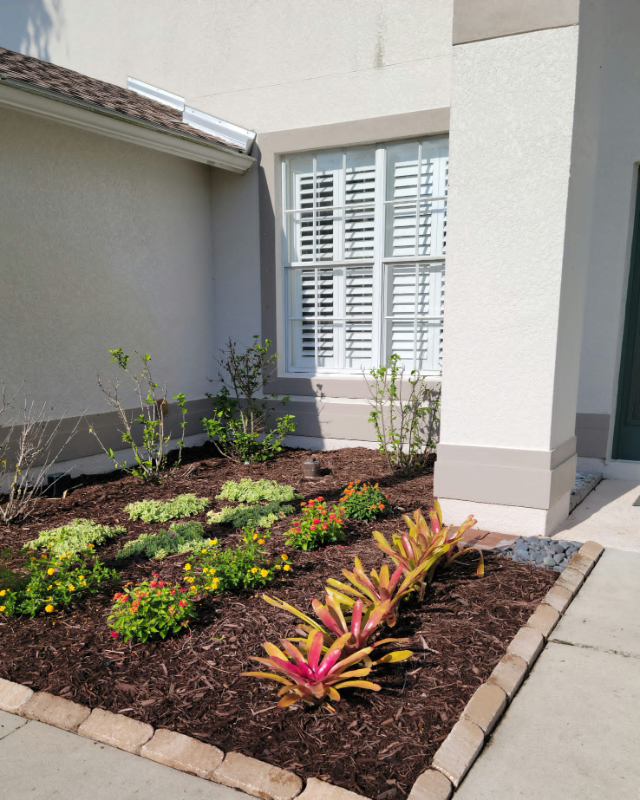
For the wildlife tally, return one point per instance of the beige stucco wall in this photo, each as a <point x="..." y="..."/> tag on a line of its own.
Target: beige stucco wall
<point x="270" y="65"/>
<point x="103" y="244"/>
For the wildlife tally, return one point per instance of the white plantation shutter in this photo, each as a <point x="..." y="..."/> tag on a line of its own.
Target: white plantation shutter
<point x="365" y="233"/>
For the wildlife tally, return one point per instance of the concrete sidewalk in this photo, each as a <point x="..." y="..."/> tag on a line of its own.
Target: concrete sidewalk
<point x="43" y="763"/>
<point x="572" y="732"/>
<point x="606" y="515"/>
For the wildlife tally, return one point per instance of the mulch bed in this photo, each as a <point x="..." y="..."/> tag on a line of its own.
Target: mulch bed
<point x="375" y="744"/>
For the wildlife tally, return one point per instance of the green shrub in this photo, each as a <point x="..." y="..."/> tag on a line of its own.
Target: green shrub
<point x="244" y="567"/>
<point x="249" y="491"/>
<point x="242" y="515"/>
<point x="180" y="538"/>
<point x="184" y="505"/>
<point x="364" y="501"/>
<point x="239" y="427"/>
<point x="78" y="535"/>
<point x="317" y="526"/>
<point x="52" y="583"/>
<point x="150" y="610"/>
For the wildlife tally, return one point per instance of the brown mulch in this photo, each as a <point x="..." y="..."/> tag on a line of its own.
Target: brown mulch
<point x="375" y="744"/>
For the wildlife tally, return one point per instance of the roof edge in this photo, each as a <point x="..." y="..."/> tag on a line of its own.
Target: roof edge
<point x="80" y="114"/>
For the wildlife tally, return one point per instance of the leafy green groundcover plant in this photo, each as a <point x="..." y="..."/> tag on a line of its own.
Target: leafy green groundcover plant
<point x="245" y="567"/>
<point x="184" y="505"/>
<point x="149" y="610"/>
<point x="180" y="538"/>
<point x="258" y="516"/>
<point x="52" y="583"/>
<point x="316" y="527"/>
<point x="249" y="491"/>
<point x="78" y="535"/>
<point x="364" y="501"/>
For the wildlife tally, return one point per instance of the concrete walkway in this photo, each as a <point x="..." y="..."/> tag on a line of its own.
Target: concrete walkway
<point x="39" y="762"/>
<point x="572" y="731"/>
<point x="607" y="516"/>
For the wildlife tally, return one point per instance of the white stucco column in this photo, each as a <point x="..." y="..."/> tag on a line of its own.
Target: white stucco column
<point x="514" y="296"/>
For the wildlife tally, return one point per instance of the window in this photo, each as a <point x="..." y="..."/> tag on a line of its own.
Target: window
<point x="364" y="247"/>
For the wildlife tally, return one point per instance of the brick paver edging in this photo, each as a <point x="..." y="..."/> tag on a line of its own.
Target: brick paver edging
<point x="464" y="744"/>
<point x="450" y="764"/>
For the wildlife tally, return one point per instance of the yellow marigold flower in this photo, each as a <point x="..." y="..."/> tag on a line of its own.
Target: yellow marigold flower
<point x="255" y="535"/>
<point x="193" y="589"/>
<point x="49" y="608"/>
<point x="3" y="592"/>
<point x="57" y="583"/>
<point x="187" y="567"/>
<point x="71" y="587"/>
<point x="205" y="569"/>
<point x="277" y="566"/>
<point x="213" y="541"/>
<point x="284" y="556"/>
<point x="50" y="571"/>
<point x="264" y="572"/>
<point x="190" y="579"/>
<point x="254" y="570"/>
<point x="203" y="550"/>
<point x="287" y="567"/>
<point x="81" y="577"/>
<point x="2" y="608"/>
<point x="260" y="541"/>
<point x="50" y="587"/>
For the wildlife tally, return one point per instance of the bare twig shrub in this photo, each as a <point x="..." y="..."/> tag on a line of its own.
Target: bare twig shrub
<point x="405" y="413"/>
<point x="151" y="455"/>
<point x="28" y="450"/>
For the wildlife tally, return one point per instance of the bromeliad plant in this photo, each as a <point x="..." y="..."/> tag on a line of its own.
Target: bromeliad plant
<point x="317" y="674"/>
<point x="376" y="589"/>
<point x="317" y="526"/>
<point x="150" y="610"/>
<point x="364" y="501"/>
<point x="363" y="623"/>
<point x="426" y="547"/>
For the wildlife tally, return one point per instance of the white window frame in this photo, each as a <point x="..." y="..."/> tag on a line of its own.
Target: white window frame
<point x="379" y="262"/>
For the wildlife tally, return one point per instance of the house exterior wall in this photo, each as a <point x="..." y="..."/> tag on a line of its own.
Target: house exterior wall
<point x="612" y="33"/>
<point x="104" y="244"/>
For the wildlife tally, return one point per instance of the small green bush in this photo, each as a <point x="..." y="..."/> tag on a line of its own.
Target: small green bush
<point x="78" y="535"/>
<point x="316" y="527"/>
<point x="184" y="505"/>
<point x="53" y="583"/>
<point x="242" y="515"/>
<point x="249" y="491"/>
<point x="180" y="538"/>
<point x="150" y="610"/>
<point x="245" y="567"/>
<point x="364" y="501"/>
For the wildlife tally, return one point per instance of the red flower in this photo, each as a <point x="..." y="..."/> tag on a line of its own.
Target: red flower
<point x="316" y="521"/>
<point x="182" y="603"/>
<point x="114" y="634"/>
<point x="153" y="584"/>
<point x="321" y="499"/>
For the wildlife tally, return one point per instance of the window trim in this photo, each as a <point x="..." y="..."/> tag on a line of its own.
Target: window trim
<point x="379" y="261"/>
<point x="270" y="146"/>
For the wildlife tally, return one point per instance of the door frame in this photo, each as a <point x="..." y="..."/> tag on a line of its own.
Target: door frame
<point x="630" y="351"/>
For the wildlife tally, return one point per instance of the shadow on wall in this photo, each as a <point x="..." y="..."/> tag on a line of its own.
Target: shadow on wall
<point x="28" y="26"/>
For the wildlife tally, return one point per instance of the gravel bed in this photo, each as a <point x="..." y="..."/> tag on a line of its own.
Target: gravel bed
<point x="549" y="553"/>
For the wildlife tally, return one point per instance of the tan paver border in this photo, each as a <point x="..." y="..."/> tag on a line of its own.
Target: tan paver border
<point x="451" y="762"/>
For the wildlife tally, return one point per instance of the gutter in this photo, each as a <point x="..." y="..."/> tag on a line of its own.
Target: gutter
<point x="97" y="119"/>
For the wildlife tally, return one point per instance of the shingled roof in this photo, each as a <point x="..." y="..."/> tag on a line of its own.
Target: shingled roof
<point x="73" y="87"/>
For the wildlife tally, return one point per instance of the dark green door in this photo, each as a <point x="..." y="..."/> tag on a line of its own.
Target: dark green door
<point x="626" y="443"/>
